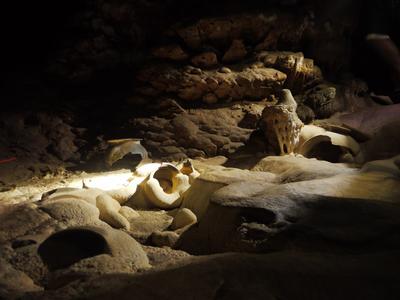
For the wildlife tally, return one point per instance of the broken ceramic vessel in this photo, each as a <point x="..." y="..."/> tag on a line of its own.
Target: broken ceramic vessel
<point x="281" y="124"/>
<point x="110" y="209"/>
<point x="165" y="186"/>
<point x="123" y="147"/>
<point x="331" y="146"/>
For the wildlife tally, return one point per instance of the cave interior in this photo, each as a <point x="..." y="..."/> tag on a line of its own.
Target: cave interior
<point x="237" y="150"/>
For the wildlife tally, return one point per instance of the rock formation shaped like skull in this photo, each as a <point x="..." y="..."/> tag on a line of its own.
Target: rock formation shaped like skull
<point x="281" y="125"/>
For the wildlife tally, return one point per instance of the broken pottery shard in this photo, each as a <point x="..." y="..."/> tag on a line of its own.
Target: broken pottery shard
<point x="122" y="148"/>
<point x="281" y="124"/>
<point x="165" y="186"/>
<point x="318" y="142"/>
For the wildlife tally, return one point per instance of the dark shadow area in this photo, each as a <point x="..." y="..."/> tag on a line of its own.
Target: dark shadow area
<point x="67" y="247"/>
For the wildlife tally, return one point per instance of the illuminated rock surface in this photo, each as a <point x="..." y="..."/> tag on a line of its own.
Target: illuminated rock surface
<point x="287" y="209"/>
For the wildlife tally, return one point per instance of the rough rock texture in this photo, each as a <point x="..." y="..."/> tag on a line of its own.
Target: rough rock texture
<point x="38" y="143"/>
<point x="237" y="51"/>
<point x="21" y="220"/>
<point x="205" y="60"/>
<point x="14" y="283"/>
<point x="301" y="72"/>
<point x="192" y="84"/>
<point x="310" y="213"/>
<point x="162" y="71"/>
<point x="149" y="222"/>
<point x="199" y="132"/>
<point x="170" y="52"/>
<point x="285" y="275"/>
<point x="326" y="99"/>
<point x="117" y="33"/>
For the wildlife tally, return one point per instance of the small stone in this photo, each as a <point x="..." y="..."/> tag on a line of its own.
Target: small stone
<point x="225" y="70"/>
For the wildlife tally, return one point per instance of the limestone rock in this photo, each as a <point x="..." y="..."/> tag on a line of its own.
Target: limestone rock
<point x="202" y="132"/>
<point x="237" y="51"/>
<point x="301" y="72"/>
<point x="305" y="113"/>
<point x="249" y="276"/>
<point x="246" y="83"/>
<point x="22" y="219"/>
<point x="172" y="52"/>
<point x="221" y="31"/>
<point x="161" y="256"/>
<point x="322" y="100"/>
<point x="164" y="238"/>
<point x="14" y="283"/>
<point x="205" y="60"/>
